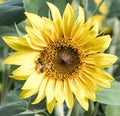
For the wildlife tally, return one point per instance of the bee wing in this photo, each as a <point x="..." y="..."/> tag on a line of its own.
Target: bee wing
<point x="48" y="66"/>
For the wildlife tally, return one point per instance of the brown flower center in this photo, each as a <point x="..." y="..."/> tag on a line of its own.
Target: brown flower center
<point x="61" y="59"/>
<point x="66" y="60"/>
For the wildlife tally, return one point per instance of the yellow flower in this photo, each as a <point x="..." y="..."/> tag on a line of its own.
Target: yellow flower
<point x="61" y="58"/>
<point x="1" y="1"/>
<point x="26" y="21"/>
<point x="1" y="87"/>
<point x="103" y="10"/>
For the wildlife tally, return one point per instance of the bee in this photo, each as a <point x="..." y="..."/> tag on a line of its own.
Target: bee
<point x="42" y="66"/>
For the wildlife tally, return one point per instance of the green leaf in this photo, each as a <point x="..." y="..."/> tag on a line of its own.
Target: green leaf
<point x="18" y="27"/>
<point x="33" y="113"/>
<point x="11" y="12"/>
<point x="36" y="6"/>
<point x="117" y="71"/>
<point x="25" y="114"/>
<point x="12" y="105"/>
<point x="4" y="31"/>
<point x="60" y="5"/>
<point x="91" y="5"/>
<point x="114" y="10"/>
<point x="110" y="96"/>
<point x="69" y="1"/>
<point x="40" y="7"/>
<point x="112" y="110"/>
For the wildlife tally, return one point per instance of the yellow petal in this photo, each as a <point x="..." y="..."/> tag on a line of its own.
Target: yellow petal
<point x="98" y="44"/>
<point x="19" y="77"/>
<point x="56" y="16"/>
<point x="101" y="77"/>
<point x="25" y="69"/>
<point x="50" y="90"/>
<point x="59" y="91"/>
<point x="88" y="81"/>
<point x="81" y="16"/>
<point x="75" y="31"/>
<point x="77" y="27"/>
<point x="50" y="29"/>
<point x="90" y="22"/>
<point x="68" y="20"/>
<point x="51" y="105"/>
<point x="27" y="93"/>
<point x="85" y="33"/>
<point x="16" y="43"/>
<point x="72" y="85"/>
<point x="47" y="34"/>
<point x="83" y="90"/>
<point x="88" y="36"/>
<point x="35" y="36"/>
<point x="68" y="95"/>
<point x="33" y="81"/>
<point x="82" y="29"/>
<point x="89" y="92"/>
<point x="79" y="93"/>
<point x="82" y="100"/>
<point x="35" y="39"/>
<point x="99" y="73"/>
<point x="101" y="60"/>
<point x="32" y="85"/>
<point x="35" y="20"/>
<point x="23" y="57"/>
<point x="41" y="93"/>
<point x="103" y="83"/>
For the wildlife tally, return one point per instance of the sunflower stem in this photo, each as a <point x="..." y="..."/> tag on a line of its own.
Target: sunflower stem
<point x="113" y="47"/>
<point x="91" y="107"/>
<point x="59" y="111"/>
<point x="5" y="72"/>
<point x="75" y="110"/>
<point x="90" y="110"/>
<point x="95" y="109"/>
<point x="98" y="7"/>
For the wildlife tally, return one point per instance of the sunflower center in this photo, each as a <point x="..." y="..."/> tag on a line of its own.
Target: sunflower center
<point x="63" y="57"/>
<point x="66" y="60"/>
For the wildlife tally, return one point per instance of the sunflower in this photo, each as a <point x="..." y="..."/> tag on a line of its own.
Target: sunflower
<point x="103" y="9"/>
<point x="61" y="58"/>
<point x="1" y="1"/>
